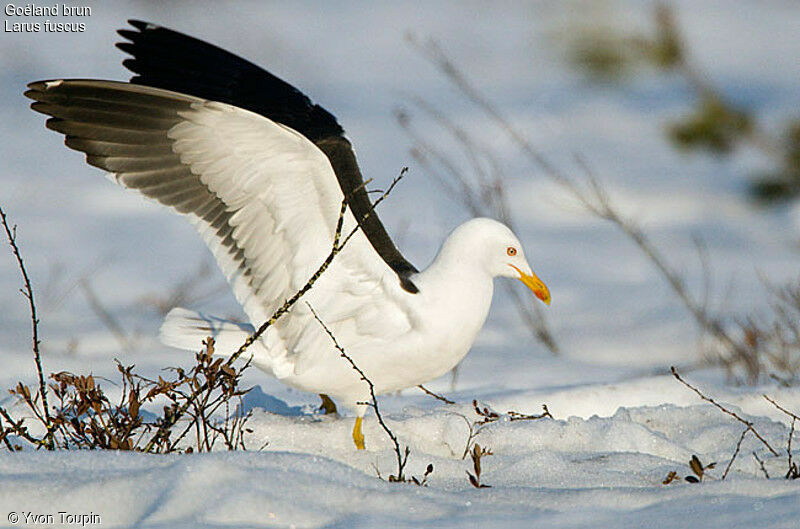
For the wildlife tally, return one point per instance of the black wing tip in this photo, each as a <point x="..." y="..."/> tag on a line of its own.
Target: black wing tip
<point x="132" y="64"/>
<point x="41" y="107"/>
<point x="142" y="25"/>
<point x="53" y="124"/>
<point x="36" y="86"/>
<point x="37" y="89"/>
<point x="408" y="285"/>
<point x="127" y="47"/>
<point x="128" y="34"/>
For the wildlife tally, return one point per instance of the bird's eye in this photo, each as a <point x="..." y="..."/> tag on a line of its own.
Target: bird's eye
<point x="511" y="251"/>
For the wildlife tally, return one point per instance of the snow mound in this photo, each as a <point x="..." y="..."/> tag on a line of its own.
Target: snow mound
<point x="578" y="472"/>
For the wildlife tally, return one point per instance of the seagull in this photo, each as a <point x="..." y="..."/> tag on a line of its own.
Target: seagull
<point x="262" y="172"/>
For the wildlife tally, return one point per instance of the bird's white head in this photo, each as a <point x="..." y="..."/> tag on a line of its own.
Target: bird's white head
<point x="500" y="251"/>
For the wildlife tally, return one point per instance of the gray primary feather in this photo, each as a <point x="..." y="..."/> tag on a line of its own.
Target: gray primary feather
<point x="123" y="128"/>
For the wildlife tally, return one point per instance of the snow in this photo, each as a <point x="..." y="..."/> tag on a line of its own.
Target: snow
<point x="621" y="424"/>
<point x="600" y="471"/>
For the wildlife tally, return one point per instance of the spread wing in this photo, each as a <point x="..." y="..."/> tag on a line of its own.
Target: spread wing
<point x="264" y="198"/>
<point x="167" y="59"/>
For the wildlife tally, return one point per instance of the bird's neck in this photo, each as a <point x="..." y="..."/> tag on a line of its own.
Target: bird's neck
<point x="455" y="285"/>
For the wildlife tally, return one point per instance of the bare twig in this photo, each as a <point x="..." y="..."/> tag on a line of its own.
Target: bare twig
<point x="599" y="203"/>
<point x="401" y="454"/>
<point x="435" y="395"/>
<point x="436" y="55"/>
<point x="11" y="233"/>
<point x="19" y="429"/>
<point x="490" y="415"/>
<point x="516" y="416"/>
<point x="793" y="472"/>
<point x="475" y="428"/>
<point x="761" y="464"/>
<point x="781" y="408"/>
<point x="724" y="410"/>
<point x="4" y="434"/>
<point x="735" y="453"/>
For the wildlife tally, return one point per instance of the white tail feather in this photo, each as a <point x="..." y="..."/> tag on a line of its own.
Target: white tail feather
<point x="186" y="329"/>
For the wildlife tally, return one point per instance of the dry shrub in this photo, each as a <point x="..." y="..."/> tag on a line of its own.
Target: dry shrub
<point x="84" y="417"/>
<point x="749" y="428"/>
<point x="768" y="342"/>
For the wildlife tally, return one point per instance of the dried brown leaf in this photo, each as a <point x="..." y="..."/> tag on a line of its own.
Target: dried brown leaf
<point x="696" y="466"/>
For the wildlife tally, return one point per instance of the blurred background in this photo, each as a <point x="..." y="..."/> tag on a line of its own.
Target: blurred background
<point x="681" y="118"/>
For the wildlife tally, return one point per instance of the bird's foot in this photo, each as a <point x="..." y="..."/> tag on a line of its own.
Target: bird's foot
<point x="328" y="406"/>
<point x="358" y="436"/>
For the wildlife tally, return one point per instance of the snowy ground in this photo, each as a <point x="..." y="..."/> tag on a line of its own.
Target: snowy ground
<point x="618" y="429"/>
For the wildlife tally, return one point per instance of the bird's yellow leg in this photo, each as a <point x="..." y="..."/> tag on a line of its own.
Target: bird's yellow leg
<point x="358" y="437"/>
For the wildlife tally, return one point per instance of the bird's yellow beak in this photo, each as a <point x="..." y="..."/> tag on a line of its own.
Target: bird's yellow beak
<point x="536" y="285"/>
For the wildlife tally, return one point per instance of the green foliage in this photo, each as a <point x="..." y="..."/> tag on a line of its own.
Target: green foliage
<point x="714" y="126"/>
<point x="605" y="53"/>
<point x="602" y="55"/>
<point x="665" y="50"/>
<point x="771" y="188"/>
<point x="785" y="182"/>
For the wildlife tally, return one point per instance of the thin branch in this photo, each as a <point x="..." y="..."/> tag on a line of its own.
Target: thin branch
<point x="517" y="416"/>
<point x="735" y="453"/>
<point x="724" y="410"/>
<point x="793" y="471"/>
<point x="401" y="459"/>
<point x="336" y="248"/>
<point x="4" y="433"/>
<point x="781" y="408"/>
<point x="601" y="206"/>
<point x="384" y="194"/>
<point x="435" y="395"/>
<point x="475" y="428"/>
<point x="11" y="233"/>
<point x="19" y="429"/>
<point x="761" y="464"/>
<point x="434" y="53"/>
